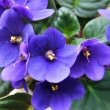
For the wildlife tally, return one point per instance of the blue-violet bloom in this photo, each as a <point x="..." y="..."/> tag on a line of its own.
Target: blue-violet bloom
<point x="11" y="29"/>
<point x="17" y="71"/>
<point x="57" y="96"/>
<point x="31" y="9"/>
<point x="51" y="58"/>
<point x="93" y="56"/>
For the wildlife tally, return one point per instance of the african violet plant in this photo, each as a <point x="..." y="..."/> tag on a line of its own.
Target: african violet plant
<point x="57" y="51"/>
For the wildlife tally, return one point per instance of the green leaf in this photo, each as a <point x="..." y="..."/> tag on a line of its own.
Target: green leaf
<point x="97" y="96"/>
<point x="88" y="8"/>
<point x="96" y="28"/>
<point x="41" y="26"/>
<point x="67" y="22"/>
<point x="66" y="3"/>
<point x="19" y="101"/>
<point x="77" y="41"/>
<point x="5" y="88"/>
<point x="84" y="8"/>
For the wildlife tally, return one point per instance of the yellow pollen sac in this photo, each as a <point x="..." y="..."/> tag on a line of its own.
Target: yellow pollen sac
<point x="54" y="87"/>
<point x="16" y="39"/>
<point x="87" y="54"/>
<point x="50" y="55"/>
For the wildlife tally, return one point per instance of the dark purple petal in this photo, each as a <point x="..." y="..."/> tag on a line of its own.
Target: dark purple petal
<point x="15" y="71"/>
<point x="41" y="96"/>
<point x="67" y="55"/>
<point x="105" y="13"/>
<point x="28" y="31"/>
<point x="4" y="36"/>
<point x="1" y="10"/>
<point x="23" y="11"/>
<point x="8" y="20"/>
<point x="78" y="70"/>
<point x="41" y="14"/>
<point x="8" y="53"/>
<point x="38" y="45"/>
<point x="56" y="38"/>
<point x="19" y="84"/>
<point x="94" y="70"/>
<point x="60" y="102"/>
<point x="35" y="5"/>
<point x="73" y="88"/>
<point x="56" y="72"/>
<point x="101" y="53"/>
<point x="20" y="2"/>
<point x="25" y="85"/>
<point x="37" y="68"/>
<point x="6" y="3"/>
<point x="108" y="33"/>
<point x="90" y="42"/>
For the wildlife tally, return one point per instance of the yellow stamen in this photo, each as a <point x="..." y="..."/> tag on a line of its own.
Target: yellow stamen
<point x="54" y="87"/>
<point x="50" y="55"/>
<point x="87" y="54"/>
<point x="16" y="39"/>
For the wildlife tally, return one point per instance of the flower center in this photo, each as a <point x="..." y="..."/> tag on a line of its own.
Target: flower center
<point x="16" y="39"/>
<point x="54" y="87"/>
<point x="50" y="55"/>
<point x="86" y="53"/>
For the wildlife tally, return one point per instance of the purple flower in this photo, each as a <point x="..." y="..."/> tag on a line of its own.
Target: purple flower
<point x="18" y="69"/>
<point x="51" y="58"/>
<point x="31" y="9"/>
<point x="91" y="60"/>
<point x="57" y="96"/>
<point x="105" y="13"/>
<point x="11" y="35"/>
<point x="35" y="9"/>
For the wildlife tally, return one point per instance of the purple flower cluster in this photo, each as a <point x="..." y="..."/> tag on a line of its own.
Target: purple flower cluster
<point x="46" y="57"/>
